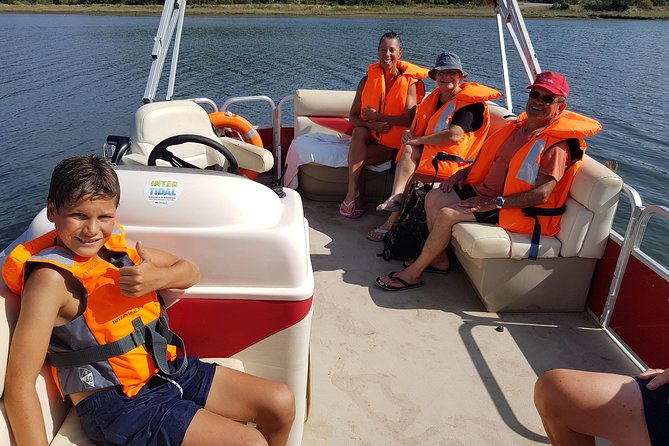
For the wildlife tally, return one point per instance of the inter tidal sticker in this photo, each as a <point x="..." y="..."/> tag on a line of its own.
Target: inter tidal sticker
<point x="161" y="192"/>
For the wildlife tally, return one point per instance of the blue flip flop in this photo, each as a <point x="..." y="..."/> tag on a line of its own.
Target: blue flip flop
<point x="405" y="285"/>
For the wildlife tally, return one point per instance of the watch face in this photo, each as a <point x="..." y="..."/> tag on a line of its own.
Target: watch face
<point x="499" y="202"/>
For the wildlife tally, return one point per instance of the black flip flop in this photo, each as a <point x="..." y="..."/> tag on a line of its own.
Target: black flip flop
<point x="431" y="269"/>
<point x="405" y="285"/>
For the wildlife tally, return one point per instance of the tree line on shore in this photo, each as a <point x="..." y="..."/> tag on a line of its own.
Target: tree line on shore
<point x="592" y="5"/>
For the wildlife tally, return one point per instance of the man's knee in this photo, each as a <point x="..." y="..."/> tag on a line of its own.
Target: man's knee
<point x="548" y="394"/>
<point x="448" y="216"/>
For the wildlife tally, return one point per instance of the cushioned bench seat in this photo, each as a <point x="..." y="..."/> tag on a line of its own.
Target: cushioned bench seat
<point x="326" y="112"/>
<point x="497" y="264"/>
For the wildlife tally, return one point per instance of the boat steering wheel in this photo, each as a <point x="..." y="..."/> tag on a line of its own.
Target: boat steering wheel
<point x="160" y="151"/>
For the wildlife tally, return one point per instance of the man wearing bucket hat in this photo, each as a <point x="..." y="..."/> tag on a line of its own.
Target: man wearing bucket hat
<point x="454" y="120"/>
<point x="519" y="181"/>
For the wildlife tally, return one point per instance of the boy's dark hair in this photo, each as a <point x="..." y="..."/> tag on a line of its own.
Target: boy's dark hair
<point x="390" y="35"/>
<point x="79" y="176"/>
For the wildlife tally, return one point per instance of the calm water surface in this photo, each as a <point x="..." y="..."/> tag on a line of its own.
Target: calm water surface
<point x="66" y="82"/>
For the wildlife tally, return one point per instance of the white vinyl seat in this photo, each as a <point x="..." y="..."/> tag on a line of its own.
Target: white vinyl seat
<point x="157" y="121"/>
<point x="321" y="119"/>
<point x="496" y="261"/>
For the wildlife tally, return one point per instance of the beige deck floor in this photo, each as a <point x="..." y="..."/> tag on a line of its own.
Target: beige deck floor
<point x="426" y="366"/>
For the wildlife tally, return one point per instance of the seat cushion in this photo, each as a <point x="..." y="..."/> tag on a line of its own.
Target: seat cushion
<point x="486" y="241"/>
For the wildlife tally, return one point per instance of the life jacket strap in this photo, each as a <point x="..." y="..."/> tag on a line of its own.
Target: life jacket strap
<point x="535" y="213"/>
<point x="443" y="156"/>
<point x="154" y="336"/>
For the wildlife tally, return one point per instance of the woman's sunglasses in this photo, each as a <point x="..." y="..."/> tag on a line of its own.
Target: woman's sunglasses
<point x="548" y="99"/>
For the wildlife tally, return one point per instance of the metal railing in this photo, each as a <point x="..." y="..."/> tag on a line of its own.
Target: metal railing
<point x="279" y="119"/>
<point x="509" y="16"/>
<point x="267" y="100"/>
<point x="631" y="245"/>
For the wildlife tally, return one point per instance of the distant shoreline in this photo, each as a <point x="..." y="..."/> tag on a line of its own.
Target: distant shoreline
<point x="530" y="10"/>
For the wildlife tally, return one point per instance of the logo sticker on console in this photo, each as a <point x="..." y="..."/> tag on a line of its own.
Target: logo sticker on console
<point x="162" y="192"/>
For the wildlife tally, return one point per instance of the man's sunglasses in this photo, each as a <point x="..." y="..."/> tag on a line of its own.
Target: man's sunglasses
<point x="548" y="99"/>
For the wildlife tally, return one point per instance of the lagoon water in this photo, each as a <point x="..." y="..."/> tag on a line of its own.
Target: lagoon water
<point x="68" y="81"/>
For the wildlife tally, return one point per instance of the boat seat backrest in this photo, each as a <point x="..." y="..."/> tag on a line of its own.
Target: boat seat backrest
<point x="327" y="111"/>
<point x="322" y="111"/>
<point x="157" y="121"/>
<point x="499" y="116"/>
<point x="591" y="207"/>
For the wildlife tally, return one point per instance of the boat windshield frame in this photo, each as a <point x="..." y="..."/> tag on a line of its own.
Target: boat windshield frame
<point x="508" y="16"/>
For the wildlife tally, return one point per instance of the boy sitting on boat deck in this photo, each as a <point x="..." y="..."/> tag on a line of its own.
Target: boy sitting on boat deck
<point x="89" y="303"/>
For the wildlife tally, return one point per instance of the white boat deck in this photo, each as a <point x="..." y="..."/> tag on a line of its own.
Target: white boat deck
<point x="426" y="366"/>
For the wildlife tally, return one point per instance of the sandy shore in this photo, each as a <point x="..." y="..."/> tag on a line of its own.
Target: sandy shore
<point x="530" y="10"/>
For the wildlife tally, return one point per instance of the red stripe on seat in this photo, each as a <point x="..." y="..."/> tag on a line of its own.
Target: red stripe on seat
<point x="336" y="124"/>
<point x="220" y="328"/>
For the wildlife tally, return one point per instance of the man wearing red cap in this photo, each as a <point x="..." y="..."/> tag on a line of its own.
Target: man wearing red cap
<point x="519" y="181"/>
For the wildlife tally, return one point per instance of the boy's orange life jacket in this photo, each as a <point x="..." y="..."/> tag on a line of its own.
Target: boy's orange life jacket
<point x="392" y="102"/>
<point x="429" y="120"/>
<point x="117" y="340"/>
<point x="524" y="168"/>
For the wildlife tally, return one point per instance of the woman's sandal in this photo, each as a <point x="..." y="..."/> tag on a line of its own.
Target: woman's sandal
<point x="379" y="234"/>
<point x="350" y="209"/>
<point x="392" y="204"/>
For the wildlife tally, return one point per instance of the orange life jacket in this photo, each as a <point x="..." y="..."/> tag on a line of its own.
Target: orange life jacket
<point x="429" y="120"/>
<point x="524" y="169"/>
<point x="391" y="102"/>
<point x="117" y="340"/>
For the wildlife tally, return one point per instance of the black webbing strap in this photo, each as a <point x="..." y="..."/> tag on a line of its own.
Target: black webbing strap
<point x="457" y="159"/>
<point x="155" y="336"/>
<point x="435" y="164"/>
<point x="160" y="338"/>
<point x="535" y="212"/>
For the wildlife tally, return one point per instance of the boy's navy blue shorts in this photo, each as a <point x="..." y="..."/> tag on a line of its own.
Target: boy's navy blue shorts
<point x="158" y="415"/>
<point x="656" y="410"/>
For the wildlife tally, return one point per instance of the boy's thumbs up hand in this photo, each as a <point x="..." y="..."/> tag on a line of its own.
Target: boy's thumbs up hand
<point x="143" y="255"/>
<point x="140" y="279"/>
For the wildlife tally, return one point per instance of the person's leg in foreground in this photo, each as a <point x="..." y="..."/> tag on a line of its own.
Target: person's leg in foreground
<point x="576" y="406"/>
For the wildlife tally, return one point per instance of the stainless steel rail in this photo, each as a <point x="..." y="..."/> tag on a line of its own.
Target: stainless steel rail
<point x="631" y="245"/>
<point x="171" y="21"/>
<point x="275" y="141"/>
<point x="279" y="120"/>
<point x="509" y="17"/>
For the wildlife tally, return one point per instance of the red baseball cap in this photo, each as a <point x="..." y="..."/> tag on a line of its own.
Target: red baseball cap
<point x="553" y="82"/>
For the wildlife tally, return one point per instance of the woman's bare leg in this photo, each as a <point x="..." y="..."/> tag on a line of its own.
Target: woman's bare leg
<point x="577" y="406"/>
<point x="406" y="166"/>
<point x="358" y="154"/>
<point x="363" y="150"/>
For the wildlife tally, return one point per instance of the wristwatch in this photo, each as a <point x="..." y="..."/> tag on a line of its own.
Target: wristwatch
<point x="499" y="202"/>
